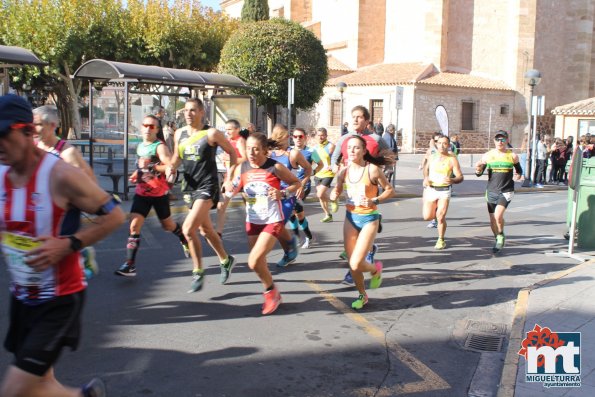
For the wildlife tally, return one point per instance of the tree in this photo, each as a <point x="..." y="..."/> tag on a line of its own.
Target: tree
<point x="66" y="33"/>
<point x="265" y="54"/>
<point x="255" y="10"/>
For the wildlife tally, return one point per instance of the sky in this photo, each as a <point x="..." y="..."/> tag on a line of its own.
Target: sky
<point x="214" y="4"/>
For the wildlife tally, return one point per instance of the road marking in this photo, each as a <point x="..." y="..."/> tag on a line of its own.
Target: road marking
<point x="430" y="380"/>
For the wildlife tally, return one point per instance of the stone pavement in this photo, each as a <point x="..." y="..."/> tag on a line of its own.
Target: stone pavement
<point x="563" y="303"/>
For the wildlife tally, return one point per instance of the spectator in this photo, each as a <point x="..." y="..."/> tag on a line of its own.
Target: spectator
<point x="541" y="156"/>
<point x="378" y="127"/>
<point x="345" y="128"/>
<point x="456" y="143"/>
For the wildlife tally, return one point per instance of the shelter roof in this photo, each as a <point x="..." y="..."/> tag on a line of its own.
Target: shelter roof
<point x="586" y="107"/>
<point x="18" y="56"/>
<point x="103" y="70"/>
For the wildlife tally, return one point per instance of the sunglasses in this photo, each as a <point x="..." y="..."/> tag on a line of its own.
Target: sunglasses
<point x="150" y="126"/>
<point x="500" y="139"/>
<point x="17" y="126"/>
<point x="298" y="136"/>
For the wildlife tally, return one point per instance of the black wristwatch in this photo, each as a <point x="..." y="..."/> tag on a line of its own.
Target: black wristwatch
<point x="75" y="244"/>
<point x="376" y="201"/>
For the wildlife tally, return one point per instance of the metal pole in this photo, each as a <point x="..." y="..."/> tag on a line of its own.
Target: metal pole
<point x="529" y="163"/>
<point x="341" y="124"/>
<point x="533" y="157"/>
<point x="91" y="123"/>
<point x="126" y="128"/>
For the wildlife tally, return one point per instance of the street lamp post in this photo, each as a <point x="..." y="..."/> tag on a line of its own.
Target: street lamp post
<point x="532" y="78"/>
<point x="341" y="86"/>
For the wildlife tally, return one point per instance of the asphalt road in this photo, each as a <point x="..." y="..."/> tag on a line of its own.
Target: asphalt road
<point x="147" y="337"/>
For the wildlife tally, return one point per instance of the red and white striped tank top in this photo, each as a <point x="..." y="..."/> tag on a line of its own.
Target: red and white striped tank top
<point x="28" y="212"/>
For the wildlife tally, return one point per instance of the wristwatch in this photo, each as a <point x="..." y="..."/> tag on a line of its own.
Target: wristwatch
<point x="376" y="201"/>
<point x="75" y="243"/>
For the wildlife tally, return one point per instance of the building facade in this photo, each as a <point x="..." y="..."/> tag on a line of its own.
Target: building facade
<point x="477" y="52"/>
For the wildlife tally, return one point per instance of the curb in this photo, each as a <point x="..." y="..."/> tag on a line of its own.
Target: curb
<point x="511" y="361"/>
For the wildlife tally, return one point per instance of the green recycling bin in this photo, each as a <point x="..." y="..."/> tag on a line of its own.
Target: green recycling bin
<point x="585" y="217"/>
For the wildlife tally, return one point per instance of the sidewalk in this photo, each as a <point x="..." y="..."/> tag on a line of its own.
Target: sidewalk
<point x="563" y="303"/>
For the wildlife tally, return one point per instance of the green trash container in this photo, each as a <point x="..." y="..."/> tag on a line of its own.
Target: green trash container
<point x="585" y="217"/>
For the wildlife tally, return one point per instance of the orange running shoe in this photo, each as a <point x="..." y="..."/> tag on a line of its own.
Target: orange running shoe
<point x="272" y="300"/>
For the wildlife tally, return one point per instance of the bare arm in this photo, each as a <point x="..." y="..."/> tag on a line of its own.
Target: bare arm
<point x="217" y="137"/>
<point x="175" y="156"/>
<point x="377" y="176"/>
<point x="456" y="169"/>
<point x="72" y="188"/>
<point x="286" y="176"/>
<point x="74" y="157"/>
<point x="338" y="189"/>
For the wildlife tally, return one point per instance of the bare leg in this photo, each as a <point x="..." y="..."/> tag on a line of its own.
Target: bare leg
<point x="20" y="383"/>
<point x="260" y="246"/>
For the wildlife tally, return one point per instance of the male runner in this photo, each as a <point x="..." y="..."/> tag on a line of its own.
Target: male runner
<point x="45" y="120"/>
<point x="41" y="198"/>
<point x="323" y="174"/>
<point x="438" y="181"/>
<point x="500" y="163"/>
<point x="195" y="145"/>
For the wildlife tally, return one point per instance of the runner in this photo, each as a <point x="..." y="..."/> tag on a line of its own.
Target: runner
<point x="323" y="175"/>
<point x="375" y="145"/>
<point x="45" y="120"/>
<point x="151" y="192"/>
<point x="291" y="159"/>
<point x="42" y="197"/>
<point x="261" y="178"/>
<point x="232" y="127"/>
<point x="438" y="181"/>
<point x="195" y="146"/>
<point x="361" y="179"/>
<point x="500" y="190"/>
<point x="433" y="148"/>
<point x="298" y="220"/>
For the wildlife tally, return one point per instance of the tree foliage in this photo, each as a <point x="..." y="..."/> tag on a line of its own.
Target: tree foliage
<point x="265" y="54"/>
<point x="255" y="10"/>
<point x="66" y="33"/>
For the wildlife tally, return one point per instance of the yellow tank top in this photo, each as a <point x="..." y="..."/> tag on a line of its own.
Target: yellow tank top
<point x="357" y="189"/>
<point x="440" y="167"/>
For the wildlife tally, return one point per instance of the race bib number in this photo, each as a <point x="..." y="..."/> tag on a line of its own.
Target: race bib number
<point x="14" y="247"/>
<point x="508" y="196"/>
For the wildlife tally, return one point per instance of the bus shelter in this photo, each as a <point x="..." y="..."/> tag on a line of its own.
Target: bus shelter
<point x="14" y="57"/>
<point x="121" y="94"/>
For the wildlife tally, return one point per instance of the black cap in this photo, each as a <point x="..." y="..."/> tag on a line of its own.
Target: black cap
<point x="13" y="109"/>
<point x="502" y="133"/>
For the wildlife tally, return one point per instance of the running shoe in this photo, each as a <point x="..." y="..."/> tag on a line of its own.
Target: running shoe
<point x="440" y="244"/>
<point x="306" y="243"/>
<point x="376" y="279"/>
<point x="348" y="279"/>
<point x="90" y="264"/>
<point x="327" y="219"/>
<point x="272" y="300"/>
<point x="186" y="249"/>
<point x="539" y="186"/>
<point x="343" y="255"/>
<point x="198" y="278"/>
<point x="433" y="224"/>
<point x="370" y="256"/>
<point x="126" y="270"/>
<point x="334" y="206"/>
<point x="291" y="255"/>
<point x="360" y="302"/>
<point x="500" y="240"/>
<point x="95" y="388"/>
<point x="226" y="269"/>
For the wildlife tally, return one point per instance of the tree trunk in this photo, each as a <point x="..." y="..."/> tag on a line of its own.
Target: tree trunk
<point x="271" y="118"/>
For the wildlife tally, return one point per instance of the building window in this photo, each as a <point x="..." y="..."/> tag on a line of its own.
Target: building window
<point x="376" y="110"/>
<point x="504" y="110"/>
<point x="335" y="112"/>
<point x="586" y="127"/>
<point x="469" y="115"/>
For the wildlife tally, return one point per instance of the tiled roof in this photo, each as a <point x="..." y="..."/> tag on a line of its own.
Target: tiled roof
<point x="586" y="107"/>
<point x="415" y="73"/>
<point x="335" y="64"/>
<point x="384" y="74"/>
<point x="465" y="81"/>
